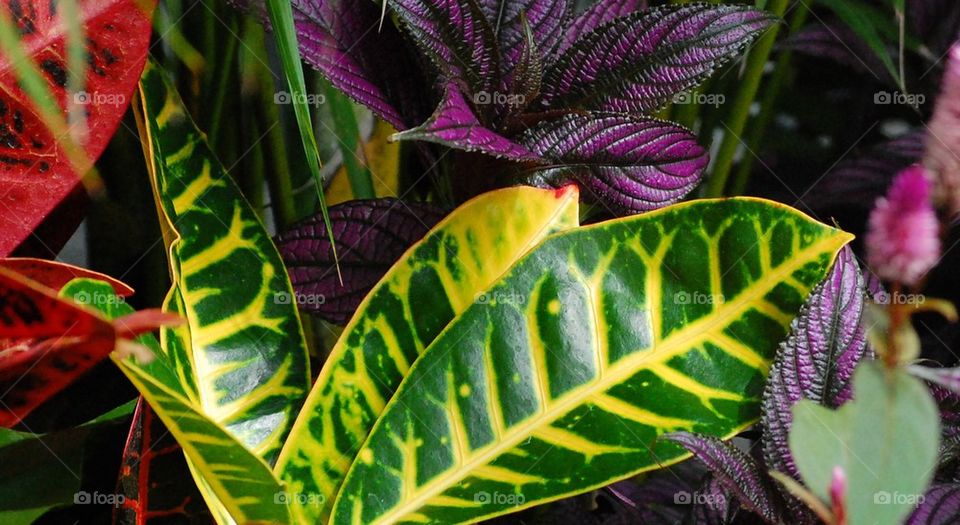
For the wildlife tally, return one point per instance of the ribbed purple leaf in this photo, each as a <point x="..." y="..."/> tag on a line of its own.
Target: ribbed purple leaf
<point x="736" y="472"/>
<point x="456" y="35"/>
<point x="637" y="63"/>
<point x="859" y="180"/>
<point x="546" y="18"/>
<point x="713" y="505"/>
<point x="817" y="360"/>
<point x="948" y="378"/>
<point x="455" y="125"/>
<point x="370" y="234"/>
<point x="596" y="15"/>
<point x="837" y="42"/>
<point x="940" y="506"/>
<point x="629" y="163"/>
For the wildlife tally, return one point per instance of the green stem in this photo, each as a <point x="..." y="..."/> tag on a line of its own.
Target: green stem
<point x="347" y="133"/>
<point x="741" y="106"/>
<point x="227" y="68"/>
<point x="768" y="105"/>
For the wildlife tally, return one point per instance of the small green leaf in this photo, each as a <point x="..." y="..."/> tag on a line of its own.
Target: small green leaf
<point x="885" y="440"/>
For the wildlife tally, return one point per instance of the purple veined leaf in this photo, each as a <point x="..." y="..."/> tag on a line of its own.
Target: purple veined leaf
<point x="948" y="378"/>
<point x="454" y="124"/>
<point x="662" y="497"/>
<point x="736" y="473"/>
<point x="596" y="15"/>
<point x="948" y="402"/>
<point x="371" y="235"/>
<point x="628" y="163"/>
<point x="637" y="63"/>
<point x="940" y="506"/>
<point x="712" y="504"/>
<point x="837" y="42"/>
<point x="546" y="18"/>
<point x="816" y="362"/>
<point x="859" y="180"/>
<point x="457" y="37"/>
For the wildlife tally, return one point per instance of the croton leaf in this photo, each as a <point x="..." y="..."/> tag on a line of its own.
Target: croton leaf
<point x="455" y="125"/>
<point x="817" y="361"/>
<point x="940" y="506"/>
<point x="240" y="480"/>
<point x="595" y="16"/>
<point x="47" y="342"/>
<point x="637" y="63"/>
<point x="736" y="472"/>
<point x="439" y="277"/>
<point x="632" y="163"/>
<point x="35" y="172"/>
<point x="593" y="344"/>
<point x="152" y="477"/>
<point x="457" y="37"/>
<point x="891" y="419"/>
<point x="243" y="345"/>
<point x="370" y="234"/>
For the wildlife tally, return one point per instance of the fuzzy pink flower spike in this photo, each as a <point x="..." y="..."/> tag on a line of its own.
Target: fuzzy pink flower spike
<point x="942" y="156"/>
<point x="903" y="237"/>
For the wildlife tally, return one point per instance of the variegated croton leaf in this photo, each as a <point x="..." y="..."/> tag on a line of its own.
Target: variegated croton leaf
<point x="36" y="170"/>
<point x="370" y="235"/>
<point x="590" y="347"/>
<point x="47" y="342"/>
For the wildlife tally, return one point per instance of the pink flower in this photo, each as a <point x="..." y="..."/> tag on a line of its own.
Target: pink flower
<point x="838" y="495"/>
<point x="942" y="157"/>
<point x="903" y="237"/>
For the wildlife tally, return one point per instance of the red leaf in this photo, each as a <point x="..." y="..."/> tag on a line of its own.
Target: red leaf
<point x="35" y="174"/>
<point x="56" y="275"/>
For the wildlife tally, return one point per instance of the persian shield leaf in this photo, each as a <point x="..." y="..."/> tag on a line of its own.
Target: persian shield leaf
<point x="243" y="354"/>
<point x="636" y="63"/>
<point x="439" y="277"/>
<point x="592" y="346"/>
<point x="35" y="172"/>
<point x="596" y="15"/>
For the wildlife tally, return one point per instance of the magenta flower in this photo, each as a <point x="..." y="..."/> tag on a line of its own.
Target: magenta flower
<point x="942" y="157"/>
<point x="903" y="238"/>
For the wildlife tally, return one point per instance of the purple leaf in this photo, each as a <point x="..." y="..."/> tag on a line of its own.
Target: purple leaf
<point x="817" y="360"/>
<point x="636" y="63"/>
<point x="940" y="506"/>
<point x="457" y="37"/>
<point x="371" y="235"/>
<point x="837" y="42"/>
<point x="630" y="163"/>
<point x="596" y="15"/>
<point x="454" y="125"/>
<point x="713" y="504"/>
<point x="948" y="378"/>
<point x="861" y="179"/>
<point x="735" y="472"/>
<point x="546" y="18"/>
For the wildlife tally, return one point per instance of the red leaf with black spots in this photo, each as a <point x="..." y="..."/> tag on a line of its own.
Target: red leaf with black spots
<point x="35" y="173"/>
<point x="56" y="275"/>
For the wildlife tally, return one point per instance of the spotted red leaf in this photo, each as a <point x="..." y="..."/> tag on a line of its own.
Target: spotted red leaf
<point x="35" y="174"/>
<point x="56" y="275"/>
<point x="371" y="235"/>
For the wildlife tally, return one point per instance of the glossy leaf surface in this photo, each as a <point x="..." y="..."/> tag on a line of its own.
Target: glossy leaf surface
<point x="593" y="345"/>
<point x="243" y="355"/>
<point x="35" y="173"/>
<point x="439" y="277"/>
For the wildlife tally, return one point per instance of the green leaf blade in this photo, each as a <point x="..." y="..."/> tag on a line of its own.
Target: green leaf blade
<point x="596" y="343"/>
